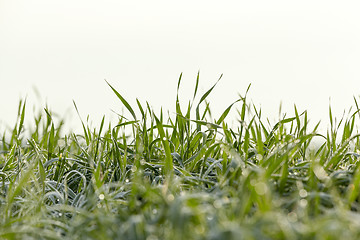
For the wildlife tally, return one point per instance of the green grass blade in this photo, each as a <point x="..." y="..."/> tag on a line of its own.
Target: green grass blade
<point x="126" y="104"/>
<point x="168" y="164"/>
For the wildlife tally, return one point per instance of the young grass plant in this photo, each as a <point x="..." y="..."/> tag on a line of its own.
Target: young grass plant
<point x="158" y="177"/>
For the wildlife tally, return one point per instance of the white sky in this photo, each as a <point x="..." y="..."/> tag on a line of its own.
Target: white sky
<point x="301" y="52"/>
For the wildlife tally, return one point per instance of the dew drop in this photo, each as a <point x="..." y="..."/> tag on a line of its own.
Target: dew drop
<point x="101" y="196"/>
<point x="303" y="193"/>
<point x="170" y="197"/>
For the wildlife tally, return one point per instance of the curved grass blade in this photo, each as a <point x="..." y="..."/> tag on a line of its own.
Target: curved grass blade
<point x="226" y="112"/>
<point x="127" y="105"/>
<point x="204" y="96"/>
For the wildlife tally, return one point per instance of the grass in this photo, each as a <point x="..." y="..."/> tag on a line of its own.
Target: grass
<point x="151" y="176"/>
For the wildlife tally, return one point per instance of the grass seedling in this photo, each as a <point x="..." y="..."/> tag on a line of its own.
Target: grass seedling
<point x="153" y="176"/>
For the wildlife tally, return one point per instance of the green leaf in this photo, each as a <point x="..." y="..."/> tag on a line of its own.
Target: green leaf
<point x="168" y="165"/>
<point x="127" y="105"/>
<point x="226" y="112"/>
<point x="22" y="117"/>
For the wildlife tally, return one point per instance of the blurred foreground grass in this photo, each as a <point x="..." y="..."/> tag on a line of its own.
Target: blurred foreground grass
<point x="151" y="176"/>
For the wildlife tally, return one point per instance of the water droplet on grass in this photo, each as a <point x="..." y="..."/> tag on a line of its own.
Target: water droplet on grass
<point x="303" y="203"/>
<point x="101" y="196"/>
<point x="217" y="204"/>
<point x="303" y="193"/>
<point x="170" y="197"/>
<point x="261" y="188"/>
<point x="292" y="217"/>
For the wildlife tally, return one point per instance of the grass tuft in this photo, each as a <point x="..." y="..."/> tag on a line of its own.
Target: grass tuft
<point x="181" y="177"/>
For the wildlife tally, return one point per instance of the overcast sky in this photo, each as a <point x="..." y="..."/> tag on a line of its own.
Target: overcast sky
<point x="297" y="52"/>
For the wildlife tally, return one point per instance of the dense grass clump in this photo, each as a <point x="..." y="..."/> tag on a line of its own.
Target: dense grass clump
<point x="182" y="177"/>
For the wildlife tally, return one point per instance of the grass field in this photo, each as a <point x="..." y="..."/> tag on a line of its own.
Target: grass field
<point x="151" y="176"/>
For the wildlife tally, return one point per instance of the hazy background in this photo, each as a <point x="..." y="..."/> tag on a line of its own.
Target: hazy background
<point x="302" y="52"/>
